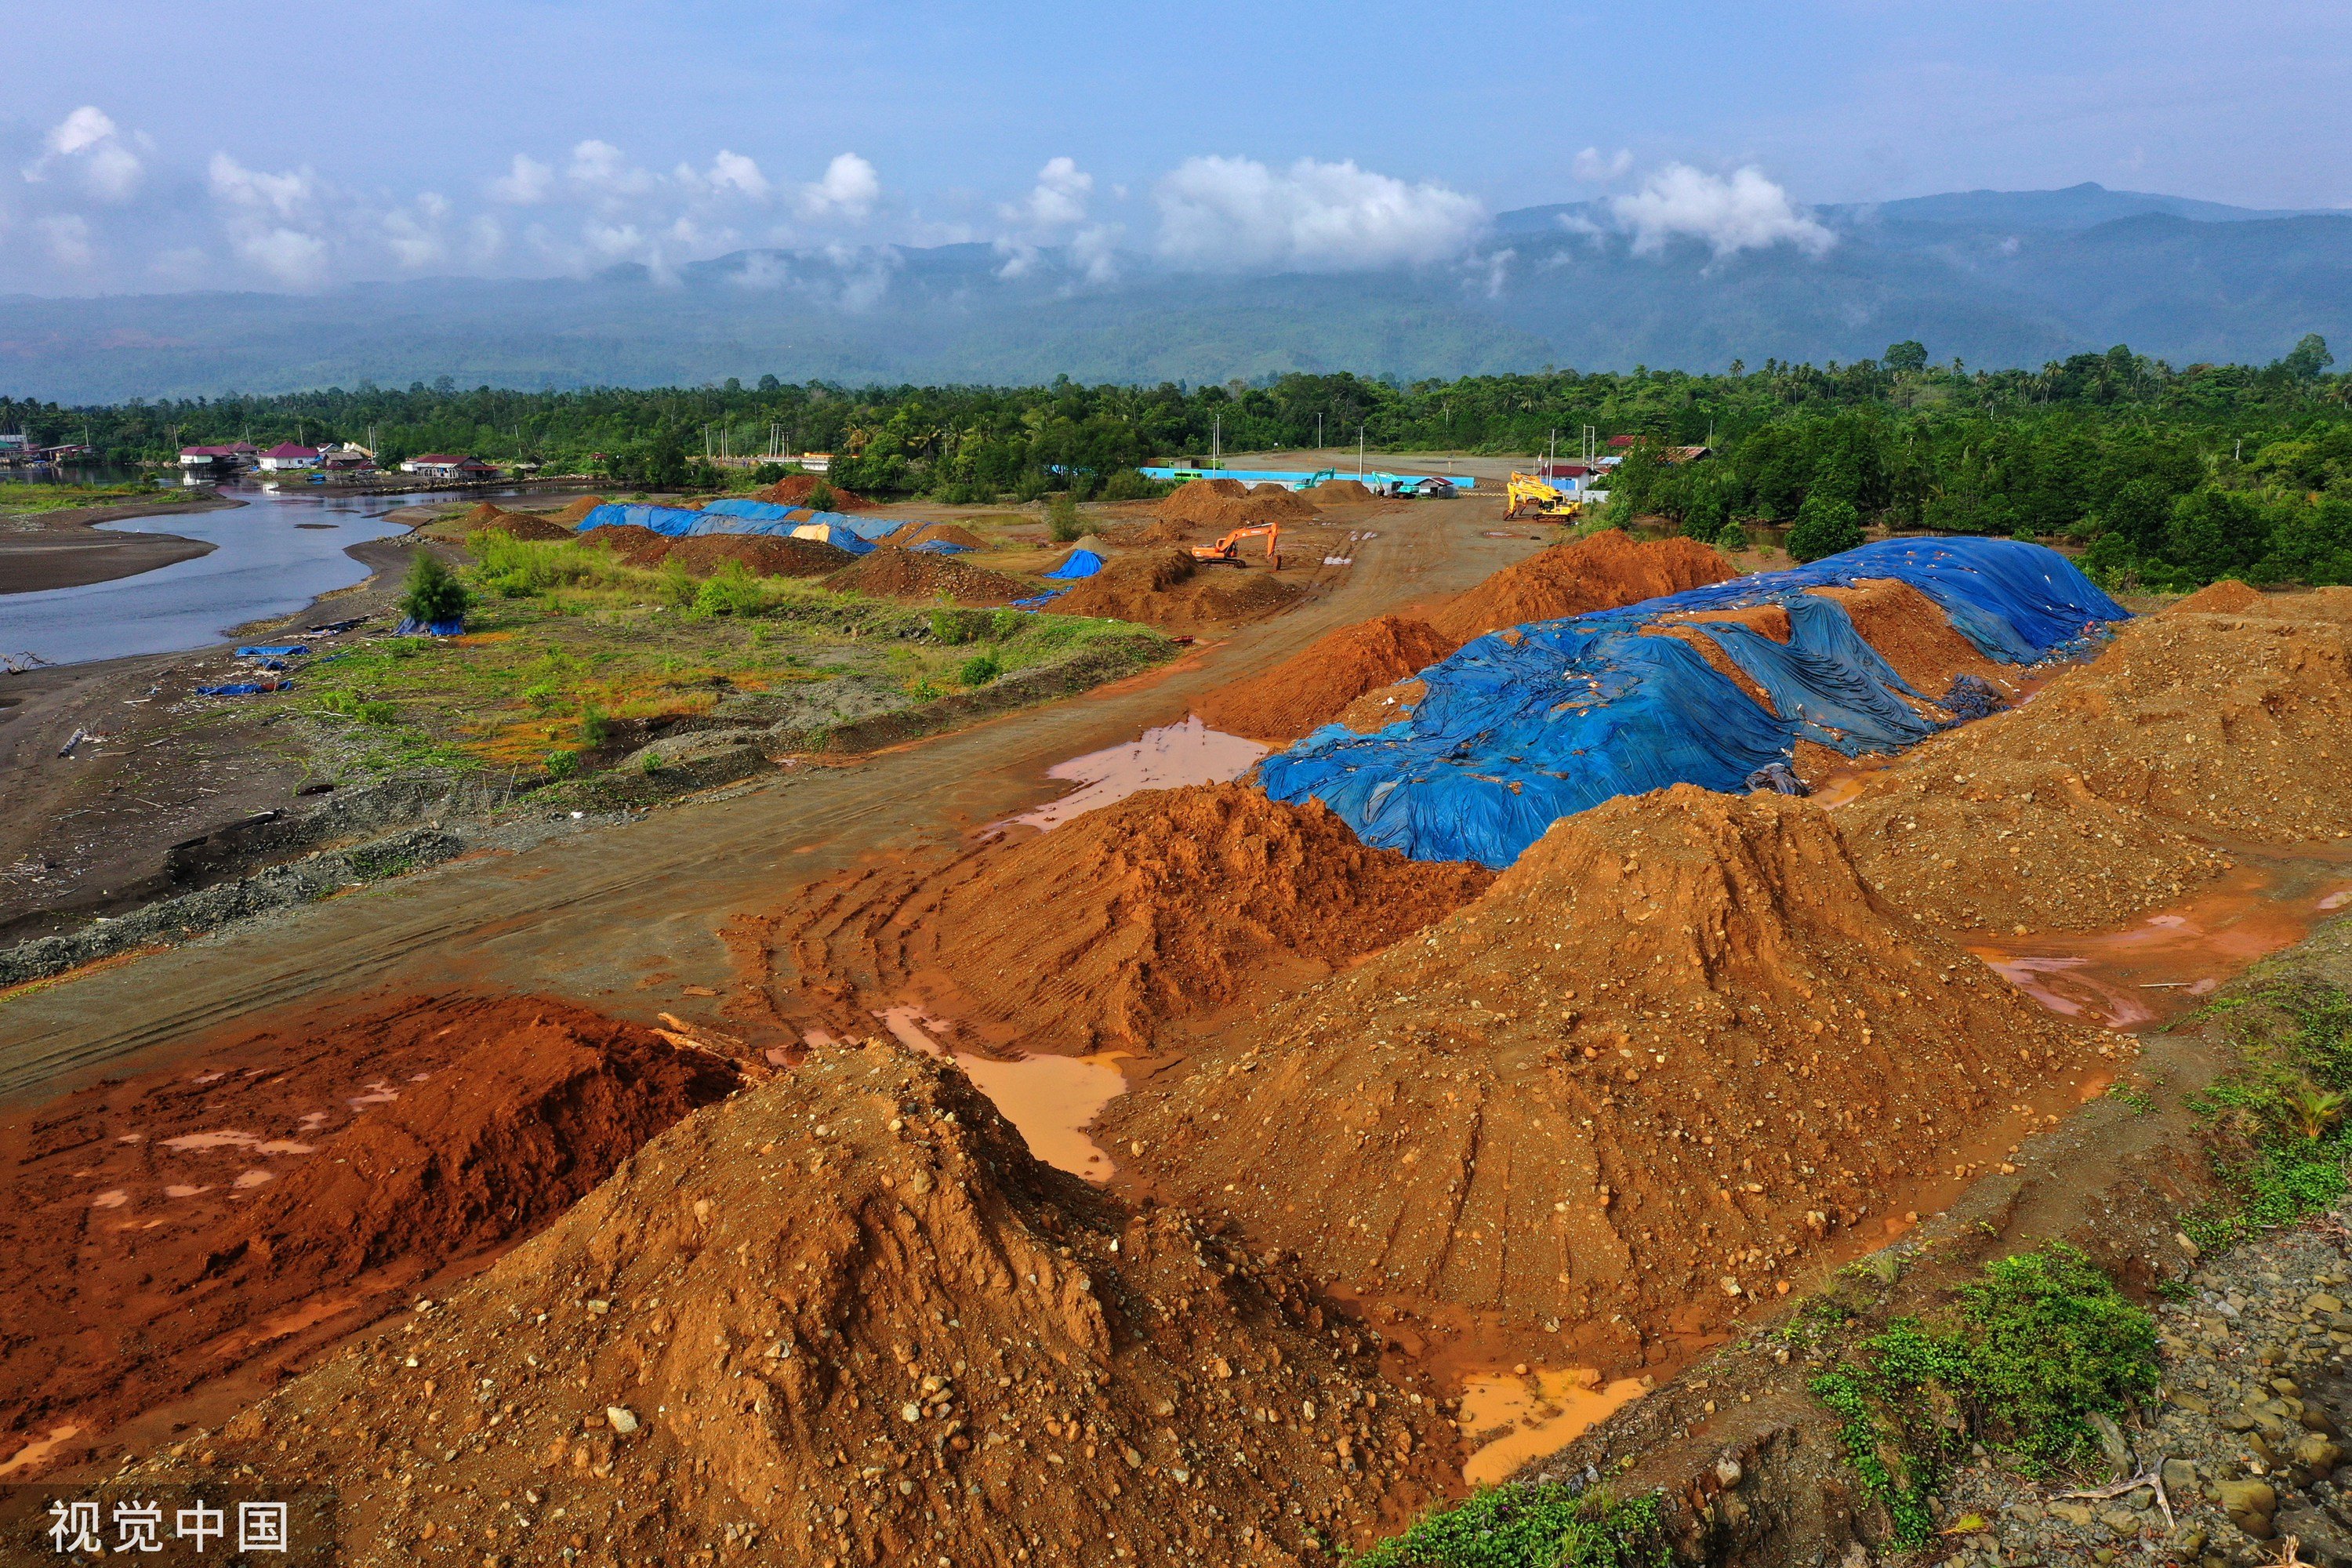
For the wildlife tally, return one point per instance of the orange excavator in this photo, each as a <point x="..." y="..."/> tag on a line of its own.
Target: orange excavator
<point x="1229" y="548"/>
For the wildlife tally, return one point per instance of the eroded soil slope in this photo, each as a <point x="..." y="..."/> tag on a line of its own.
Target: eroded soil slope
<point x="166" y="1228"/>
<point x="1676" y="1051"/>
<point x="1601" y="572"/>
<point x="1165" y="905"/>
<point x="844" y="1317"/>
<point x="1316" y="685"/>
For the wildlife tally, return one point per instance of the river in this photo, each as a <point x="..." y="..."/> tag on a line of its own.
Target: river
<point x="275" y="554"/>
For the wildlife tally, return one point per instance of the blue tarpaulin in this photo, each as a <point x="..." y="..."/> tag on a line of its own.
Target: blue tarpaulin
<point x="245" y="688"/>
<point x="1047" y="597"/>
<point x="945" y="547"/>
<point x="1081" y="564"/>
<point x="272" y="650"/>
<point x="410" y="626"/>
<point x="1523" y="727"/>
<point x="747" y="517"/>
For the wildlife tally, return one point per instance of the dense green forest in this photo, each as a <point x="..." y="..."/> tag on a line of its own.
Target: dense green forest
<point x="2170" y="476"/>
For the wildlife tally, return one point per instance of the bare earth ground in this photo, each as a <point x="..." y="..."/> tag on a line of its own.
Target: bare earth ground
<point x="64" y="549"/>
<point x="86" y="835"/>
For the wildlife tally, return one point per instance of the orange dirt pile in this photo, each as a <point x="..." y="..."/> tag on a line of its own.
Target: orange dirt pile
<point x="1379" y="709"/>
<point x="577" y="510"/>
<point x="765" y="555"/>
<point x="1597" y="574"/>
<point x="1999" y="842"/>
<point x="794" y="489"/>
<point x="846" y="1319"/>
<point x="1339" y="492"/>
<point x="1912" y="633"/>
<point x="1166" y="905"/>
<point x="519" y="524"/>
<point x="630" y="545"/>
<point x="2230" y="596"/>
<point x="1165" y="588"/>
<point x="1316" y="685"/>
<point x="946" y="533"/>
<point x="170" y="1227"/>
<point x="2082" y="809"/>
<point x="891" y="573"/>
<point x="1229" y="503"/>
<point x="1678" y="1051"/>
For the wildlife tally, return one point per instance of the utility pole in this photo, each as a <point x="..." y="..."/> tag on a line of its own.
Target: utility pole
<point x="1318" y="432"/>
<point x="1360" y="454"/>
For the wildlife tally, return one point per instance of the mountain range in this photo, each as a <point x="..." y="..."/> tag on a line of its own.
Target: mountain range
<point x="1996" y="279"/>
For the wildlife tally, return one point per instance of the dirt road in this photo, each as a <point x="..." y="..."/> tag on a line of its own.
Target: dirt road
<point x="624" y="921"/>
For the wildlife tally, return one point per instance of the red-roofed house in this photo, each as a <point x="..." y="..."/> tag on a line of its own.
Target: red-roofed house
<point x="215" y="456"/>
<point x="286" y="455"/>
<point x="446" y="466"/>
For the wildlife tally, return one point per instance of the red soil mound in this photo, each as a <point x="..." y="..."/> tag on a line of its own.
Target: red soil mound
<point x="1316" y="685"/>
<point x="577" y="510"/>
<point x="1229" y="503"/>
<point x="1336" y="492"/>
<point x="2228" y="597"/>
<point x="2080" y="808"/>
<point x="519" y="524"/>
<point x="891" y="573"/>
<point x="171" y="1227"/>
<point x="1165" y="588"/>
<point x="946" y="533"/>
<point x="844" y="1318"/>
<point x="1379" y="709"/>
<point x="766" y="555"/>
<point x="1597" y="574"/>
<point x="632" y="546"/>
<point x="794" y="489"/>
<point x="1677" y="1051"/>
<point x="1167" y="905"/>
<point x="1912" y="633"/>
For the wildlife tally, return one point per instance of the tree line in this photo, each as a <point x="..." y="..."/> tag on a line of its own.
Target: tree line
<point x="2165" y="475"/>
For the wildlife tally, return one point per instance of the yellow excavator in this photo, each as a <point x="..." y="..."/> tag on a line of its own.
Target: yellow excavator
<point x="1529" y="496"/>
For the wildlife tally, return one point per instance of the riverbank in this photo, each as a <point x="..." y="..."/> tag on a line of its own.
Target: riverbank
<point x="65" y="549"/>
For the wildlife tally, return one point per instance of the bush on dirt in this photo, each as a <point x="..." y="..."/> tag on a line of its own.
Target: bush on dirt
<point x="2282" y="1142"/>
<point x="432" y="593"/>
<point x="1548" y="1526"/>
<point x="1061" y="519"/>
<point x="980" y="669"/>
<point x="2041" y="1344"/>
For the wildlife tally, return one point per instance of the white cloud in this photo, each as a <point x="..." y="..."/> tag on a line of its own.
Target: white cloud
<point x="284" y="195"/>
<point x="734" y="171"/>
<point x="1060" y="198"/>
<point x="415" y="236"/>
<point x="849" y="189"/>
<point x="67" y="235"/>
<point x="599" y="167"/>
<point x="1095" y="251"/>
<point x="527" y="183"/>
<point x="1235" y="213"/>
<point x="1591" y="165"/>
<point x="293" y="258"/>
<point x="88" y="139"/>
<point x="1746" y="212"/>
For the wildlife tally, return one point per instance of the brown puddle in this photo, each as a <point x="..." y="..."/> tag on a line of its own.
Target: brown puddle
<point x="1052" y="1100"/>
<point x="2158" y="968"/>
<point x="1544" y="1412"/>
<point x="1175" y="754"/>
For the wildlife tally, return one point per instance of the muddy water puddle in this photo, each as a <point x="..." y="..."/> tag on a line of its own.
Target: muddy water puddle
<point x="1542" y="1412"/>
<point x="1172" y="756"/>
<point x="2162" y="964"/>
<point x="1050" y="1100"/>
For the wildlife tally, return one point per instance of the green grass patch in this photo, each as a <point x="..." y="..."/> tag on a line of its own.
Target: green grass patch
<point x="566" y="644"/>
<point x="2281" y="1138"/>
<point x="2035" y="1348"/>
<point x="1530" y="1527"/>
<point x="31" y="498"/>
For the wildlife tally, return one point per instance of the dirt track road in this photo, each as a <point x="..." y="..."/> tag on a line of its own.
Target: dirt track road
<point x="622" y="919"/>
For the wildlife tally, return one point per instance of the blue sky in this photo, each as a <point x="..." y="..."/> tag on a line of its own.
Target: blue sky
<point x="150" y="146"/>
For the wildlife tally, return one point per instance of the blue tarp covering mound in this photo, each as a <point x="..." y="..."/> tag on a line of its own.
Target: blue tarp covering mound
<point x="855" y="534"/>
<point x="1081" y="564"/>
<point x="1523" y="727"/>
<point x="272" y="650"/>
<point x="945" y="547"/>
